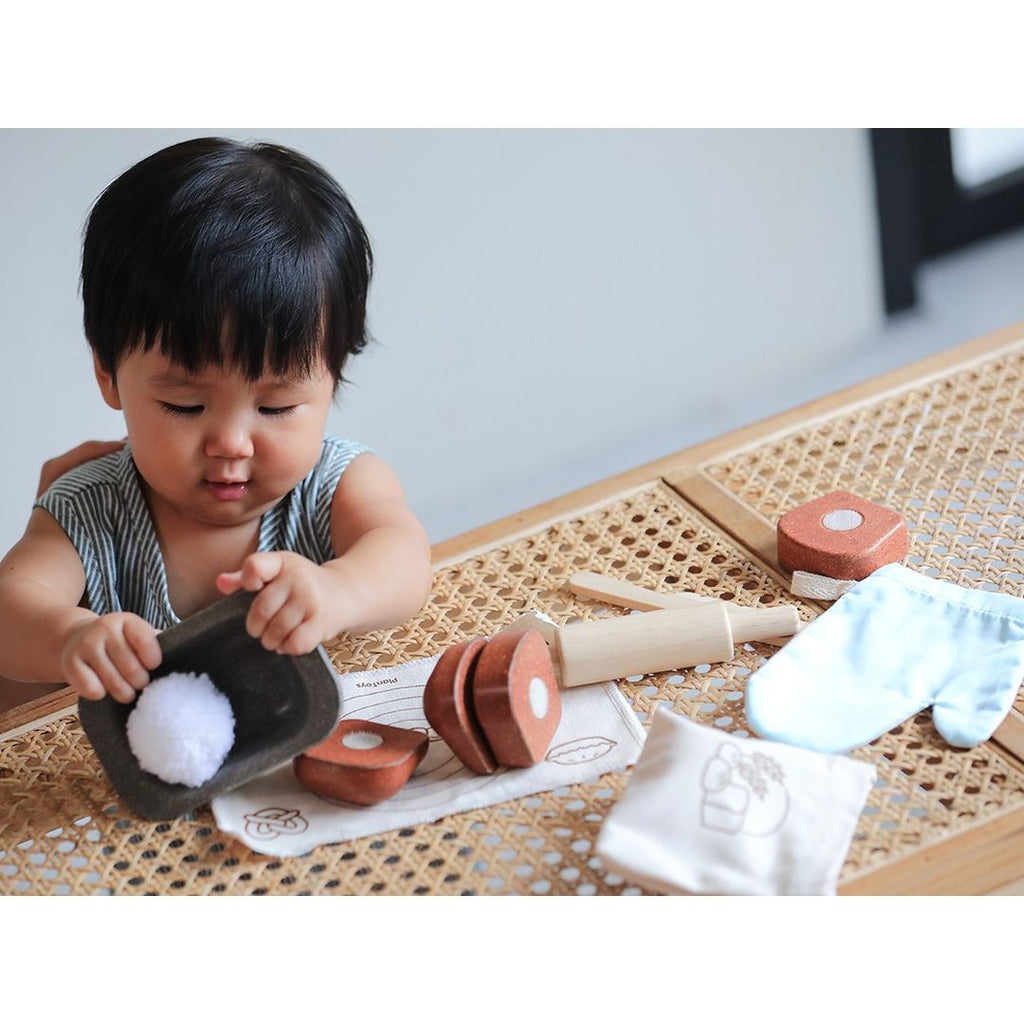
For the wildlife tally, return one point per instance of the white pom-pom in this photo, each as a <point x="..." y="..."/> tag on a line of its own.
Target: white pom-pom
<point x="181" y="728"/>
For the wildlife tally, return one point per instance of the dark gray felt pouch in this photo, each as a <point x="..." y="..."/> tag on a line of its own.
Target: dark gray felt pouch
<point x="283" y="705"/>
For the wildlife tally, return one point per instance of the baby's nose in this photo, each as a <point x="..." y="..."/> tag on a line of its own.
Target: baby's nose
<point x="229" y="440"/>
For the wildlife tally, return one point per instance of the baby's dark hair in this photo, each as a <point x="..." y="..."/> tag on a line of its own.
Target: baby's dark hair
<point x="220" y="252"/>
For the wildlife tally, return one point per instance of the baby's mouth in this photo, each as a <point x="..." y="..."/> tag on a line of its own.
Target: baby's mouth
<point x="227" y="490"/>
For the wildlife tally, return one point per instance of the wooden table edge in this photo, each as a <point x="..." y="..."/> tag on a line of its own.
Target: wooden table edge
<point x="978" y="860"/>
<point x="33" y="712"/>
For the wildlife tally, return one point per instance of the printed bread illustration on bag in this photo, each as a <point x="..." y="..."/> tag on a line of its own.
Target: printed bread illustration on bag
<point x="588" y="748"/>
<point x="743" y="794"/>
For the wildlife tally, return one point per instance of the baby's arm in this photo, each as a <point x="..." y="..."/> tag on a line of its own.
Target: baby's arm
<point x="380" y="578"/>
<point x="45" y="636"/>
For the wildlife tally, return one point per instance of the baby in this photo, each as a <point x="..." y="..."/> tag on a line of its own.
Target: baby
<point x="224" y="288"/>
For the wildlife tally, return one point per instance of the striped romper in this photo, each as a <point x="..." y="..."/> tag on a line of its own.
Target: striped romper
<point x="100" y="506"/>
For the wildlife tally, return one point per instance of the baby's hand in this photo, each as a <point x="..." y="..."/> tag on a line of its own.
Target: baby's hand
<point x="112" y="654"/>
<point x="288" y="616"/>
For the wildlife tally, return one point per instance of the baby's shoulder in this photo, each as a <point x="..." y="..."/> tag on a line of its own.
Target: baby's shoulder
<point x="335" y="455"/>
<point x="316" y="491"/>
<point x="339" y="449"/>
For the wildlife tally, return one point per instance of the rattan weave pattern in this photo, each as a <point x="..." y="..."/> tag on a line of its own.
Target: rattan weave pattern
<point x="61" y="829"/>
<point x="948" y="455"/>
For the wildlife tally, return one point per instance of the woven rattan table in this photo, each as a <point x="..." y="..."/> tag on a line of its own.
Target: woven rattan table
<point x="942" y="441"/>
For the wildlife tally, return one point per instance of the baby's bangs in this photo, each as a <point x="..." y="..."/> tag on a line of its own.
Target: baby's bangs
<point x="267" y="323"/>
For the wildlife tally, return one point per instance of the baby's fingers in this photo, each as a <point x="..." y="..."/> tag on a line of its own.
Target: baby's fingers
<point x="264" y="609"/>
<point x="84" y="681"/>
<point x="102" y="663"/>
<point x="132" y="652"/>
<point x="141" y="637"/>
<point x="301" y="640"/>
<point x="229" y="582"/>
<point x="257" y="570"/>
<point x="280" y="629"/>
<point x="261" y="568"/>
<point x="129" y="671"/>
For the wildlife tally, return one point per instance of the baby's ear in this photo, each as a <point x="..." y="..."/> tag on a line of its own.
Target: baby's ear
<point x="108" y="386"/>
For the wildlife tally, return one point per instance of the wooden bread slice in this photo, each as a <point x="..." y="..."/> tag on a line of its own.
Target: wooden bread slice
<point x="515" y="697"/>
<point x="361" y="762"/>
<point x="448" y="706"/>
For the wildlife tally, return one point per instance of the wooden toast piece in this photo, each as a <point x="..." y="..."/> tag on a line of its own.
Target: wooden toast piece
<point x="516" y="698"/>
<point x="361" y="762"/>
<point x="448" y="706"/>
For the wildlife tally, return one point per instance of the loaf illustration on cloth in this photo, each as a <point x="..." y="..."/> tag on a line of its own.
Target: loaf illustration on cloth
<point x="495" y="702"/>
<point x="361" y="762"/>
<point x="841" y="536"/>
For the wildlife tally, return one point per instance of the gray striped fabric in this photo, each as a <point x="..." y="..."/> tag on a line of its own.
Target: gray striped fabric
<point x="101" y="508"/>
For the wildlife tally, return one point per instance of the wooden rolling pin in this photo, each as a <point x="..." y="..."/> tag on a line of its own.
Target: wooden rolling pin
<point x="658" y="641"/>
<point x="747" y="623"/>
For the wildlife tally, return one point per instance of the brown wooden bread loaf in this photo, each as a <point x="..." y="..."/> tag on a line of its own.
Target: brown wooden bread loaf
<point x="842" y="536"/>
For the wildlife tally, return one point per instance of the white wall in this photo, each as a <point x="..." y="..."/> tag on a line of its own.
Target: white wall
<point x="549" y="306"/>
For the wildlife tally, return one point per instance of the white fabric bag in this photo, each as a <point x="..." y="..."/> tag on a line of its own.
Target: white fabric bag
<point x="709" y="812"/>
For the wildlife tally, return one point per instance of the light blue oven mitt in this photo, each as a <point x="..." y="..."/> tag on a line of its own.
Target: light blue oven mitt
<point x="896" y="643"/>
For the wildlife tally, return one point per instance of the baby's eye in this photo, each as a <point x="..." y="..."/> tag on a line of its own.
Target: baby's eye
<point x="279" y="410"/>
<point x="182" y="410"/>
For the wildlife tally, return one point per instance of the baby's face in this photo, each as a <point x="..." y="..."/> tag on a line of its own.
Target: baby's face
<point x="214" y="447"/>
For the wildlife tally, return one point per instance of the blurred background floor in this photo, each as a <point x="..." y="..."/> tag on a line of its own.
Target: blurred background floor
<point x="961" y="296"/>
